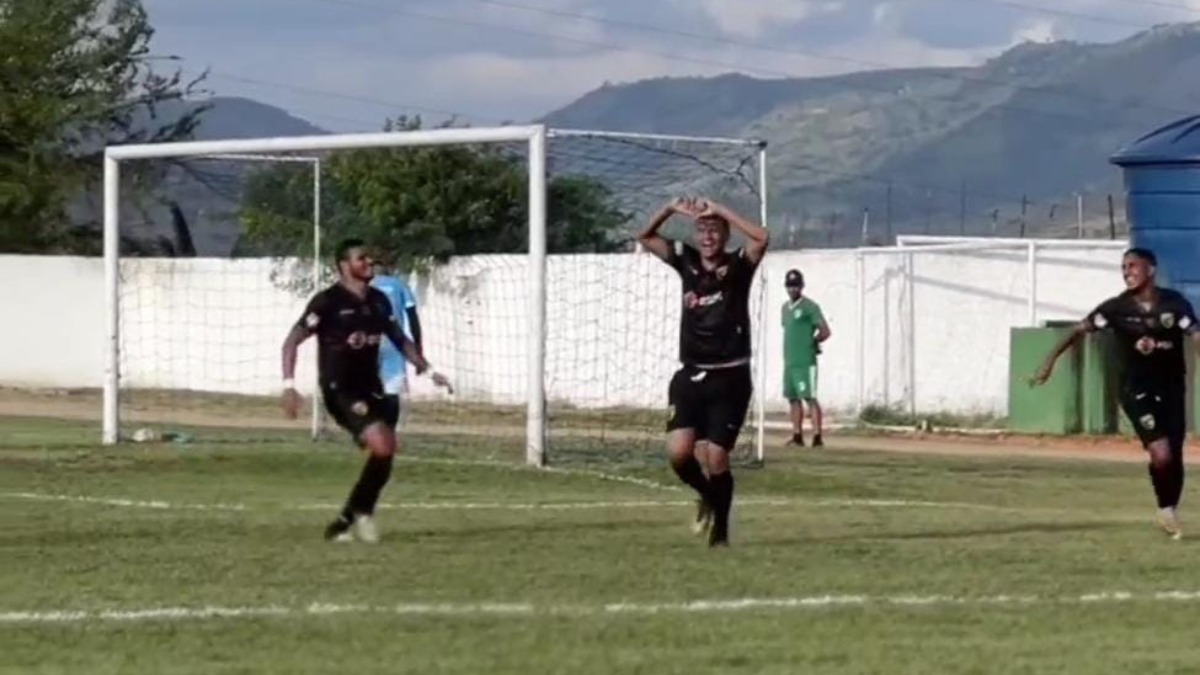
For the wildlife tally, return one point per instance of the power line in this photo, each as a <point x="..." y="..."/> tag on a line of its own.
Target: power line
<point x="391" y="105"/>
<point x="863" y="63"/>
<point x="374" y="101"/>
<point x="1162" y="3"/>
<point x="1082" y="16"/>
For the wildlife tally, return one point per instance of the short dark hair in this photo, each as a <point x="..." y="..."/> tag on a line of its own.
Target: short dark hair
<point x="342" y="252"/>
<point x="1143" y="253"/>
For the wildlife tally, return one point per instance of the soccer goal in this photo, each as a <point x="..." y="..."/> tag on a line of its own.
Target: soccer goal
<point x="934" y="316"/>
<point x="560" y="338"/>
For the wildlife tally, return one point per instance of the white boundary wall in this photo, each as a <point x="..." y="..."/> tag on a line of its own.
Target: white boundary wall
<point x="474" y="310"/>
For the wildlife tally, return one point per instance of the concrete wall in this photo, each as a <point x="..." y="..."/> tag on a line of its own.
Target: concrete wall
<point x="216" y="325"/>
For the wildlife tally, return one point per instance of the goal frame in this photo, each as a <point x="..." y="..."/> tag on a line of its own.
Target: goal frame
<point x="760" y="411"/>
<point x="910" y="247"/>
<point x="535" y="136"/>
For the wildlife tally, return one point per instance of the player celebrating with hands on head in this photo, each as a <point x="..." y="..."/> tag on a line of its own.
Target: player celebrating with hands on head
<point x="710" y="393"/>
<point x="350" y="320"/>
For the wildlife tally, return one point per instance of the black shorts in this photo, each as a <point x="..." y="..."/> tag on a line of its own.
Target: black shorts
<point x="712" y="402"/>
<point x="357" y="410"/>
<point x="1157" y="414"/>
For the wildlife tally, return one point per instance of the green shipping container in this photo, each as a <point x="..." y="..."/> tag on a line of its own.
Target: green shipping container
<point x="1052" y="408"/>
<point x="1098" y="386"/>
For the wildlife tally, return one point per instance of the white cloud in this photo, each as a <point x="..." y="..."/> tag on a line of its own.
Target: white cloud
<point x="750" y="18"/>
<point x="1038" y="30"/>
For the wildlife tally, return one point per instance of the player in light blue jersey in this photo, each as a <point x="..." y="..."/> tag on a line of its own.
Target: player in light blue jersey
<point x="392" y="363"/>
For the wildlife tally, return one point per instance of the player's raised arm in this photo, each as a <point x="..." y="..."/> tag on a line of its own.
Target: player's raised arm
<point x="757" y="237"/>
<point x="649" y="237"/>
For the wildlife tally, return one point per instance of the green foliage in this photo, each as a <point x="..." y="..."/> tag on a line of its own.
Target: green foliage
<point x="417" y="204"/>
<point x="74" y="75"/>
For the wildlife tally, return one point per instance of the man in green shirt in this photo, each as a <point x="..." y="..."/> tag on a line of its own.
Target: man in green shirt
<point x="804" y="329"/>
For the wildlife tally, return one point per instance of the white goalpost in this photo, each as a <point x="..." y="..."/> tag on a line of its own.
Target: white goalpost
<point x="934" y="314"/>
<point x="534" y="136"/>
<point x="578" y="346"/>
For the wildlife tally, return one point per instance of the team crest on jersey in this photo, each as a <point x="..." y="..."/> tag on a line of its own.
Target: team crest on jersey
<point x="1147" y="422"/>
<point x="1167" y="320"/>
<point x="798" y="313"/>
<point x="722" y="271"/>
<point x="1145" y="345"/>
<point x="359" y="408"/>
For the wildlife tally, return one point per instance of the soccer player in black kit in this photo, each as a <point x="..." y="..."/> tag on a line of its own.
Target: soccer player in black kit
<point x="350" y="319"/>
<point x="710" y="393"/>
<point x="1152" y="326"/>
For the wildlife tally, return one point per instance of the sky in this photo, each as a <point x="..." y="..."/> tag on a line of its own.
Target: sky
<point x="346" y="65"/>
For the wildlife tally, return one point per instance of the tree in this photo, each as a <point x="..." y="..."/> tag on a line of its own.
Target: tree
<point x="414" y="204"/>
<point x="74" y="75"/>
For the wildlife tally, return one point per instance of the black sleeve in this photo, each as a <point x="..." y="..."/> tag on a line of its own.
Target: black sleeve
<point x="414" y="325"/>
<point x="314" y="313"/>
<point x="744" y="264"/>
<point x="1187" y="316"/>
<point x="1102" y="317"/>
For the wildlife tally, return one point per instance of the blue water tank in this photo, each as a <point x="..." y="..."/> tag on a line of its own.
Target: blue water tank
<point x="1162" y="185"/>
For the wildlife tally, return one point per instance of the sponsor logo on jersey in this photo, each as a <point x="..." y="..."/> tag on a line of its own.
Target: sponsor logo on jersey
<point x="692" y="300"/>
<point x="1147" y="345"/>
<point x="359" y="339"/>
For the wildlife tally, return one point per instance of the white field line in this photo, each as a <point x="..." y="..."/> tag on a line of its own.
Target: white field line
<point x="638" y="504"/>
<point x="512" y="506"/>
<point x="526" y="609"/>
<point x="121" y="502"/>
<point x="588" y="473"/>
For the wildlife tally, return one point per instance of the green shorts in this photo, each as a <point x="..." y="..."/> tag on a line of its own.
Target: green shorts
<point x="800" y="383"/>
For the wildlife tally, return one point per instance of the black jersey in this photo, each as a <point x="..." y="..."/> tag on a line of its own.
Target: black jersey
<point x="715" y="325"/>
<point x="349" y="330"/>
<point x="1151" y="339"/>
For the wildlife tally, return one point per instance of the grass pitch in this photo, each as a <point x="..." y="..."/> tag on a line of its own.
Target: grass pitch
<point x="208" y="558"/>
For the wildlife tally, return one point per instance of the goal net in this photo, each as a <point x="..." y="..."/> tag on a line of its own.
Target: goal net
<point x="935" y="317"/>
<point x="219" y="246"/>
